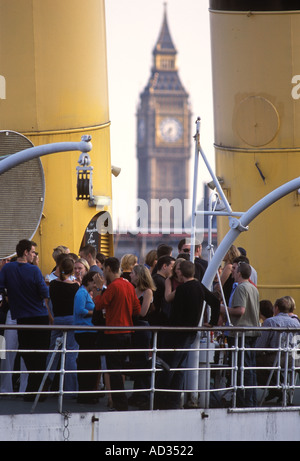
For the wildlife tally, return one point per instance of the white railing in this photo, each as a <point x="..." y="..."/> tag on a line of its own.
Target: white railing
<point x="223" y="372"/>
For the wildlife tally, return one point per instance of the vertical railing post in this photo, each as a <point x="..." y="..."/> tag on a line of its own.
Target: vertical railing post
<point x="285" y="375"/>
<point x="62" y="372"/>
<point x="279" y="360"/>
<point x="235" y="370"/>
<point x="153" y="370"/>
<point x="242" y="364"/>
<point x="207" y="373"/>
<point x="293" y="371"/>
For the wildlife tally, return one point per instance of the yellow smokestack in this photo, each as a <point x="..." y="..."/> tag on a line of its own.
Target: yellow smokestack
<point x="255" y="55"/>
<point x="53" y="60"/>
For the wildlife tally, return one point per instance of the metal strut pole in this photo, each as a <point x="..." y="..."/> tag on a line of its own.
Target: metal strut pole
<point x="33" y="152"/>
<point x="194" y="202"/>
<point x="236" y="227"/>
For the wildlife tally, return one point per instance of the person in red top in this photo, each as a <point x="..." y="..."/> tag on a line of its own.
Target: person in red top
<point x="120" y="303"/>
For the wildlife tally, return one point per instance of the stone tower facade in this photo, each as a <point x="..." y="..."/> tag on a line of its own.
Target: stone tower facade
<point x="164" y="138"/>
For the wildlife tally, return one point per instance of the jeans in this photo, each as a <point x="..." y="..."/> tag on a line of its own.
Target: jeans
<point x="70" y="379"/>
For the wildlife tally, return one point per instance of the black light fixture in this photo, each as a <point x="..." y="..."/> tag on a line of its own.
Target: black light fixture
<point x="84" y="178"/>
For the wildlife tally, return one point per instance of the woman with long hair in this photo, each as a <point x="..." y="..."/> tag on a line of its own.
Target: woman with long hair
<point x="151" y="260"/>
<point x="62" y="293"/>
<point x="144" y="288"/>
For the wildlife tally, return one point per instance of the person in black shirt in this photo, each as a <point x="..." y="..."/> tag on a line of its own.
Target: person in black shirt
<point x="164" y="270"/>
<point x="62" y="293"/>
<point x="186" y="312"/>
<point x="184" y="246"/>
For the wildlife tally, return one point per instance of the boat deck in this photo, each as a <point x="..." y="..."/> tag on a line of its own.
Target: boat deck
<point x="15" y="405"/>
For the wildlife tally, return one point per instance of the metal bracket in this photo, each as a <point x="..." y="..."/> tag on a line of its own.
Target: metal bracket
<point x="235" y="223"/>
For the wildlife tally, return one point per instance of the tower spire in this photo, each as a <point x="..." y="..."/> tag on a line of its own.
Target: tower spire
<point x="165" y="43"/>
<point x="165" y="9"/>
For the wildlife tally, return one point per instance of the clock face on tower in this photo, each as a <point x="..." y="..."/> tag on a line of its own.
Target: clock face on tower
<point x="170" y="129"/>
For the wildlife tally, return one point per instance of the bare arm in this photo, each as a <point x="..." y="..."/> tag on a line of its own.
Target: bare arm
<point x="233" y="311"/>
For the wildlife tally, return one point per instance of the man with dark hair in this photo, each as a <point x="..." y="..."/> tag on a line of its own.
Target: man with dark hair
<point x="24" y="245"/>
<point x="113" y="265"/>
<point x="88" y="252"/>
<point x="189" y="299"/>
<point x="244" y="312"/>
<point x="253" y="271"/>
<point x="162" y="250"/>
<point x="164" y="270"/>
<point x="121" y="304"/>
<point x="184" y="246"/>
<point x="28" y="301"/>
<point x="100" y="258"/>
<point x="186" y="312"/>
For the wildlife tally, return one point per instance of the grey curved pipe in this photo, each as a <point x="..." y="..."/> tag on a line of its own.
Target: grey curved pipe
<point x="33" y="152"/>
<point x="238" y="226"/>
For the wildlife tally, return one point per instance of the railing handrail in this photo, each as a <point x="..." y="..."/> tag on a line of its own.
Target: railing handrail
<point x="149" y="328"/>
<point x="209" y="345"/>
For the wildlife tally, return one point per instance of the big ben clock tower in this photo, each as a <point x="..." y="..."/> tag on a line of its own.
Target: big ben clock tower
<point x="164" y="130"/>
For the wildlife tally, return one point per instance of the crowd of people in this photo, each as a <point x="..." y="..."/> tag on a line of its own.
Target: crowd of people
<point x="90" y="289"/>
<point x="241" y="304"/>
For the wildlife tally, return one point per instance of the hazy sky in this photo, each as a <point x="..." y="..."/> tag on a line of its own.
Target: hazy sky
<point x="133" y="28"/>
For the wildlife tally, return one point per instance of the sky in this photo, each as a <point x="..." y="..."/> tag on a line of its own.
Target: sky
<point x="132" y="29"/>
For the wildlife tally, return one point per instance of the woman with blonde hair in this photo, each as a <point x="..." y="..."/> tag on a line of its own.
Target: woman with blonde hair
<point x="58" y="254"/>
<point x="128" y="261"/>
<point x="226" y="275"/>
<point x="144" y="287"/>
<point x="81" y="268"/>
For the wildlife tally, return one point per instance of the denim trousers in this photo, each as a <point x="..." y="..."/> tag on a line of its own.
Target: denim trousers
<point x="70" y="379"/>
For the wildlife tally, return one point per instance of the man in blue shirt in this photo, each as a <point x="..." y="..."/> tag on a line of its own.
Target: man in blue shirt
<point x="273" y="339"/>
<point x="28" y="296"/>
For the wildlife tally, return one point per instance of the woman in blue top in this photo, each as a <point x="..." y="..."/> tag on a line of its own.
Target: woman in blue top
<point x="83" y="311"/>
